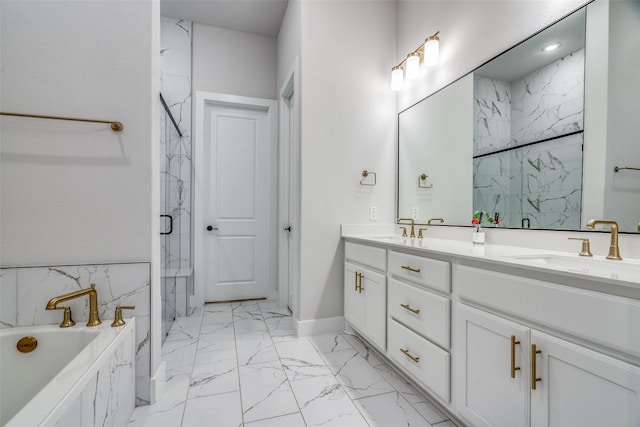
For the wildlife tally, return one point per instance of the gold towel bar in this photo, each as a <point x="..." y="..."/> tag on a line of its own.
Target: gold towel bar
<point x="618" y="169"/>
<point x="115" y="126"/>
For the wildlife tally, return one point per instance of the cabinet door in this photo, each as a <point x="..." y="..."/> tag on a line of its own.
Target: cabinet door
<point x="353" y="299"/>
<point x="580" y="387"/>
<point x="374" y="290"/>
<point x="487" y="395"/>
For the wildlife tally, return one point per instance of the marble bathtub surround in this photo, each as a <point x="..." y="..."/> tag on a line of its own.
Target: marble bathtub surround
<point x="241" y="365"/>
<point x="25" y="291"/>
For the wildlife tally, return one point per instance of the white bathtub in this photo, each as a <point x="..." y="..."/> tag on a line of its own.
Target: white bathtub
<point x="45" y="387"/>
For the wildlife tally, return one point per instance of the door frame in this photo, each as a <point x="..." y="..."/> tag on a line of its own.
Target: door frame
<point x="289" y="257"/>
<point x="270" y="106"/>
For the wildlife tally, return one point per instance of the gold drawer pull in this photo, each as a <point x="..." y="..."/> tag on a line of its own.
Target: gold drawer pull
<point x="534" y="378"/>
<point x="407" y="267"/>
<point x="408" y="307"/>
<point x="406" y="353"/>
<point x="514" y="368"/>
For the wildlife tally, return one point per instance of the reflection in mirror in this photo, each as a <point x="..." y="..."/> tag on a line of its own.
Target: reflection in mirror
<point x="534" y="134"/>
<point x="527" y="130"/>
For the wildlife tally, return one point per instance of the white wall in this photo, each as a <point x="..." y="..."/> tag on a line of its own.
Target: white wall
<point x="622" y="189"/>
<point x="348" y="125"/>
<point x="471" y="33"/>
<point x="289" y="40"/>
<point x="233" y="62"/>
<point x="74" y="193"/>
<point x="78" y="193"/>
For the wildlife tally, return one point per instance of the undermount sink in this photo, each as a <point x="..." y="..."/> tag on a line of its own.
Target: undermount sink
<point x="601" y="267"/>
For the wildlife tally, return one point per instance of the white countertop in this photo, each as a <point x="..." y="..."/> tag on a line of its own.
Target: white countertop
<point x="563" y="264"/>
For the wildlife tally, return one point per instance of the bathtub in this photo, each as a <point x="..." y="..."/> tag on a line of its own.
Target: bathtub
<point x="70" y="377"/>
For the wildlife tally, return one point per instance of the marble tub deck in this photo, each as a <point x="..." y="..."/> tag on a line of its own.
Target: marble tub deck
<point x="241" y="365"/>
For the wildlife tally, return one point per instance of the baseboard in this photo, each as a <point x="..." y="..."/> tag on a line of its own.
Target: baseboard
<point x="158" y="383"/>
<point x="306" y="328"/>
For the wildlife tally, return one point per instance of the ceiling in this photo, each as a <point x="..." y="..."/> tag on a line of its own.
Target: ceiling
<point x="262" y="17"/>
<point x="528" y="56"/>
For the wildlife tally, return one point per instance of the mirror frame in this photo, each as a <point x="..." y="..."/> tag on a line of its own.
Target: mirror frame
<point x="581" y="8"/>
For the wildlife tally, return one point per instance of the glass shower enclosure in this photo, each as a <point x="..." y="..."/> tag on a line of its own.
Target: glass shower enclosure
<point x="170" y="230"/>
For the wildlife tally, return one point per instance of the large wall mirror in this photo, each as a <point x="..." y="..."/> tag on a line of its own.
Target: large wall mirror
<point x="544" y="136"/>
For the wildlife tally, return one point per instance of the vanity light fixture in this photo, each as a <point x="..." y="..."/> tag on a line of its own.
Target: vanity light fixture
<point x="428" y="54"/>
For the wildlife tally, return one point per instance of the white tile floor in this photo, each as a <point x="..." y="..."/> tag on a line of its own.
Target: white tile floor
<point x="241" y="365"/>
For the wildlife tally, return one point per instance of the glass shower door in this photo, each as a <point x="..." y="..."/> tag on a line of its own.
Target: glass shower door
<point x="170" y="164"/>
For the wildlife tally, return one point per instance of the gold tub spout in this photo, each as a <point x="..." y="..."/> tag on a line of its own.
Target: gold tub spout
<point x="94" y="320"/>
<point x="614" y="249"/>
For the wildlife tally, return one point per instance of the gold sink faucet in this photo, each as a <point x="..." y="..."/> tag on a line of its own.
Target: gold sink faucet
<point x="614" y="249"/>
<point x="413" y="230"/>
<point x="94" y="320"/>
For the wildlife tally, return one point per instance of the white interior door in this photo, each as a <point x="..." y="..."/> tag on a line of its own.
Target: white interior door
<point x="236" y="149"/>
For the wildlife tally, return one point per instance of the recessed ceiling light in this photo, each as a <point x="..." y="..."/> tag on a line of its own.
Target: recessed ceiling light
<point x="550" y="47"/>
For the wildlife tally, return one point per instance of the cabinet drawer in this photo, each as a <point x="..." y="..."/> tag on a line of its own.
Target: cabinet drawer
<point x="427" y="363"/>
<point x="606" y="319"/>
<point x="428" y="272"/>
<point x="366" y="255"/>
<point x="432" y="319"/>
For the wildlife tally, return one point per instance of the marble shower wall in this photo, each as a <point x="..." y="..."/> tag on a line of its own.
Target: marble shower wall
<point x="175" y="76"/>
<point x="491" y="114"/>
<point x="25" y="291"/>
<point x="542" y="181"/>
<point x="549" y="102"/>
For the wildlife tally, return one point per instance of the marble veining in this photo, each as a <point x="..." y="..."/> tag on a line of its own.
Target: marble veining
<point x="279" y="380"/>
<point x="175" y="83"/>
<point x="116" y="284"/>
<point x="538" y="185"/>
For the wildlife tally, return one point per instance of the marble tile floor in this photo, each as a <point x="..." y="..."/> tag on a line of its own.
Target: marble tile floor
<point x="240" y="365"/>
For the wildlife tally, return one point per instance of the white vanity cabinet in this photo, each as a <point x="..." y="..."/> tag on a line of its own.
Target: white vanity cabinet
<point x="419" y="314"/>
<point x="365" y="291"/>
<point x="511" y="373"/>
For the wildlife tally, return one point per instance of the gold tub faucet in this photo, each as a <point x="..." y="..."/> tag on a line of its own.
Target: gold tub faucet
<point x="413" y="230"/>
<point x="94" y="320"/>
<point x="614" y="249"/>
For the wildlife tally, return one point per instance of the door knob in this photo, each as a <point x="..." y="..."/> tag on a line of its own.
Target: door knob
<point x="287" y="228"/>
<point x="211" y="227"/>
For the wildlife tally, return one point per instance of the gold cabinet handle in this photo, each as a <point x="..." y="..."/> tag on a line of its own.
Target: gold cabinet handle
<point x="408" y="307"/>
<point x="534" y="377"/>
<point x="359" y="287"/>
<point x="407" y="267"/>
<point x="406" y="353"/>
<point x="514" y="368"/>
<point x="356" y="281"/>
